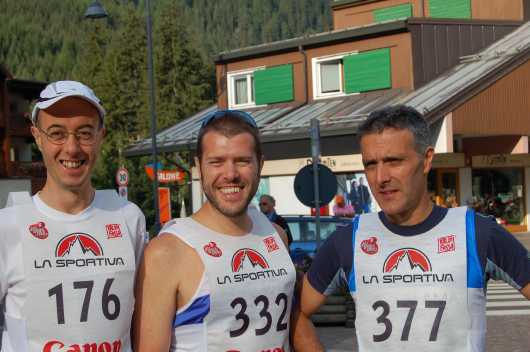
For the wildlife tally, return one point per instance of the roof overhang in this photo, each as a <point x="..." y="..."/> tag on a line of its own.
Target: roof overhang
<point x="317" y="40"/>
<point x="28" y="89"/>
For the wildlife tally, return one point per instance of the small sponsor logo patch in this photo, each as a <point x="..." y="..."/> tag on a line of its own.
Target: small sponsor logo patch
<point x="370" y="246"/>
<point x="212" y="249"/>
<point x="271" y="244"/>
<point x="446" y="244"/>
<point x="39" y="230"/>
<point x="113" y="230"/>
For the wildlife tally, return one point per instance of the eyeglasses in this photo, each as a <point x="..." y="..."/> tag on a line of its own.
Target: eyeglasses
<point x="262" y="204"/>
<point x="244" y="116"/>
<point x="59" y="136"/>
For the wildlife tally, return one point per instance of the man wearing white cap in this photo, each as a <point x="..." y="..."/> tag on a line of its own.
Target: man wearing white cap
<point x="68" y="254"/>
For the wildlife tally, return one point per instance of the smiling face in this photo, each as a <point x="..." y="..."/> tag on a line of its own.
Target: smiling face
<point x="69" y="165"/>
<point x="229" y="171"/>
<point x="397" y="174"/>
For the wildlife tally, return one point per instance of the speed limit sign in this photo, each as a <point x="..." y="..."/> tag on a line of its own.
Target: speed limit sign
<point x="122" y="177"/>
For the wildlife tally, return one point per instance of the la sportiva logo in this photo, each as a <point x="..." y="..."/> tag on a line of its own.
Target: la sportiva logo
<point x="411" y="256"/>
<point x="249" y="264"/>
<point x="245" y="255"/>
<point x="87" y="244"/>
<point x="78" y="250"/>
<point x="407" y="266"/>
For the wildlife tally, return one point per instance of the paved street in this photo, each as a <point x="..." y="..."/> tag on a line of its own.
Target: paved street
<point x="508" y="314"/>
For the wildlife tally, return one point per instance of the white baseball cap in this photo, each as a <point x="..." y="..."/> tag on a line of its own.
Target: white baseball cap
<point x="63" y="89"/>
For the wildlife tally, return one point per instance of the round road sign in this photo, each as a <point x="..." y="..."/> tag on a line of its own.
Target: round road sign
<point x="122" y="177"/>
<point x="303" y="185"/>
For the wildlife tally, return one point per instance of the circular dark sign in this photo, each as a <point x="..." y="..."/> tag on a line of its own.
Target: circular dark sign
<point x="303" y="185"/>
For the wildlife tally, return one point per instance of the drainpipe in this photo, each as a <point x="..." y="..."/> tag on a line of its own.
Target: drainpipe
<point x="304" y="54"/>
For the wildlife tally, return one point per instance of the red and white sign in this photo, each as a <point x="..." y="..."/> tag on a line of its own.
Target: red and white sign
<point x="370" y="246"/>
<point x="39" y="230"/>
<point x="271" y="244"/>
<point x="212" y="249"/>
<point x="113" y="231"/>
<point x="164" y="204"/>
<point x="122" y="177"/>
<point x="446" y="244"/>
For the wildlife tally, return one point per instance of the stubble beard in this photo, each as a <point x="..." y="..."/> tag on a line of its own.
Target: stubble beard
<point x="230" y="212"/>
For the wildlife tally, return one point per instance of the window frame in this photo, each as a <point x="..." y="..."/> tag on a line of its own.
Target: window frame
<point x="316" y="75"/>
<point x="231" y="79"/>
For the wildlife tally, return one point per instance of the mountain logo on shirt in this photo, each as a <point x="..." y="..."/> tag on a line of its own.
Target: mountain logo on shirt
<point x="39" y="230"/>
<point x="84" y="241"/>
<point x="414" y="257"/>
<point x="250" y="256"/>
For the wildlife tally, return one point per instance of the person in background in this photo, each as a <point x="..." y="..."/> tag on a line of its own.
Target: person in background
<point x="266" y="205"/>
<point x="342" y="209"/>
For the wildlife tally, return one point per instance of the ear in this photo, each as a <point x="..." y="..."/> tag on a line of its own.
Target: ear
<point x="260" y="166"/>
<point x="37" y="135"/>
<point x="198" y="166"/>
<point x="427" y="160"/>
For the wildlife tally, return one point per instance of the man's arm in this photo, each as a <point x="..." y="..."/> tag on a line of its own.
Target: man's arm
<point x="282" y="234"/>
<point x="303" y="332"/>
<point x="155" y="292"/>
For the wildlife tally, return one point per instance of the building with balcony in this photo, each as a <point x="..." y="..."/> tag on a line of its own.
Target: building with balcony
<point x="18" y="169"/>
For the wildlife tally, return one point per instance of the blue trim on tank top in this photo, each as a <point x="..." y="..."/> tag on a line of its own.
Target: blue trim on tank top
<point x="195" y="313"/>
<point x="351" y="279"/>
<point x="475" y="277"/>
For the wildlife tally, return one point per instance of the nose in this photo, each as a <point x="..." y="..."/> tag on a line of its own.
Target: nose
<point x="231" y="171"/>
<point x="71" y="145"/>
<point x="382" y="174"/>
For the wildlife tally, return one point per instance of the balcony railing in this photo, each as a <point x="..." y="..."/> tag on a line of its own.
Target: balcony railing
<point x="30" y="169"/>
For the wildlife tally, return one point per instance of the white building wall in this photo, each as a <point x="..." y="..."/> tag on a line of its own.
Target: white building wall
<point x="10" y="185"/>
<point x="466" y="182"/>
<point x="282" y="189"/>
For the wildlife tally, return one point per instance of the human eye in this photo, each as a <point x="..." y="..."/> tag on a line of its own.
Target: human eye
<point x="57" y="135"/>
<point x="85" y="135"/>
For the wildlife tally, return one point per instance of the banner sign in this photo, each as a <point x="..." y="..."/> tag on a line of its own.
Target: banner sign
<point x="164" y="176"/>
<point x="164" y="204"/>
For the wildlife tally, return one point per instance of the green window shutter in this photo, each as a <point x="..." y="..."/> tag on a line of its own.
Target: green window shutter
<point x="450" y="8"/>
<point x="369" y="70"/>
<point x="274" y="85"/>
<point x="393" y="13"/>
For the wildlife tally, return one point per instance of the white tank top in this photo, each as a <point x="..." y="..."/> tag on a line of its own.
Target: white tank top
<point x="79" y="278"/>
<point x="418" y="293"/>
<point x="244" y="300"/>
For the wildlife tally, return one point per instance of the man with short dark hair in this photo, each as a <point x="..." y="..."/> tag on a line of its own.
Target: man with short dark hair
<point x="222" y="279"/>
<point x="266" y="205"/>
<point x="68" y="254"/>
<point x="417" y="272"/>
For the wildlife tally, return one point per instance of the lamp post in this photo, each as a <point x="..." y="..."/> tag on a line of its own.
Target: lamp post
<point x="96" y="11"/>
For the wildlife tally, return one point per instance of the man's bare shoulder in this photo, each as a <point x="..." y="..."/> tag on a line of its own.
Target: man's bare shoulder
<point x="169" y="249"/>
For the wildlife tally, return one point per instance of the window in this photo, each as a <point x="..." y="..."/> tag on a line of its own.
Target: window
<point x="392" y="13"/>
<point x="329" y="80"/>
<point x="351" y="73"/>
<point x="241" y="89"/>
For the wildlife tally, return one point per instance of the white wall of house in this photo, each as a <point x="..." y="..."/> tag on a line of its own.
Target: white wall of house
<point x="10" y="185"/>
<point x="466" y="188"/>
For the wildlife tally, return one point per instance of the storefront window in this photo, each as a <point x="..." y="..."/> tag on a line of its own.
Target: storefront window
<point x="499" y="192"/>
<point x="443" y="187"/>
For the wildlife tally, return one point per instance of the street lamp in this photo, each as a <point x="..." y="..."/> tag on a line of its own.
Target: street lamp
<point x="95" y="11"/>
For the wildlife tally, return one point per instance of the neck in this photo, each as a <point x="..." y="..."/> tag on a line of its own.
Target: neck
<point x="65" y="200"/>
<point x="210" y="217"/>
<point x="414" y="216"/>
